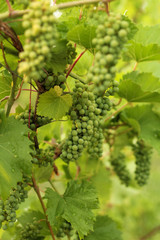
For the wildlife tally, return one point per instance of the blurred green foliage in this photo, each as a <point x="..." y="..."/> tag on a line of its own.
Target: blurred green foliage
<point x="138" y="210"/>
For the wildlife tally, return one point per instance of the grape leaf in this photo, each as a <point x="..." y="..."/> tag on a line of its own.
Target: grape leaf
<point x="140" y="87"/>
<point x="14" y="153"/>
<point x="68" y="20"/>
<point x="75" y="206"/>
<point x="58" y="61"/>
<point x="101" y="179"/>
<point x="148" y="35"/>
<point x="5" y="83"/>
<point x="149" y="123"/>
<point x="11" y="54"/>
<point x="140" y="53"/>
<point x="152" y="67"/>
<point x="104" y="229"/>
<point x="82" y="35"/>
<point x="145" y="46"/>
<point x="53" y="104"/>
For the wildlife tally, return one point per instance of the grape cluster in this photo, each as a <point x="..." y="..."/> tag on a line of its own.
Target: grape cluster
<point x="120" y="169"/>
<point x="40" y="35"/>
<point x="71" y="53"/>
<point x="52" y="80"/>
<point x="43" y="157"/>
<point x="8" y="208"/>
<point x="104" y="104"/>
<point x="111" y="34"/>
<point x="142" y="154"/>
<point x="35" y="121"/>
<point x="85" y="125"/>
<point x="65" y="230"/>
<point x="31" y="231"/>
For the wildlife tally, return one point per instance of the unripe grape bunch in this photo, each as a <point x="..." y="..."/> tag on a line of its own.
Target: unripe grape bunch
<point x="35" y="121"/>
<point x="142" y="154"/>
<point x="9" y="207"/>
<point x="111" y="35"/>
<point x="40" y="34"/>
<point x="31" y="231"/>
<point x="43" y="157"/>
<point x="85" y="125"/>
<point x="119" y="166"/>
<point x="49" y="79"/>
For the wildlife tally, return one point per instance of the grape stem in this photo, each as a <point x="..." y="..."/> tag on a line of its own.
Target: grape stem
<point x="77" y="59"/>
<point x="135" y="66"/>
<point x="52" y="185"/>
<point x="118" y="110"/>
<point x="36" y="189"/>
<point x="11" y="98"/>
<point x="9" y="6"/>
<point x="153" y="232"/>
<point x="5" y="98"/>
<point x="75" y="76"/>
<point x="18" y="13"/>
<point x="12" y="95"/>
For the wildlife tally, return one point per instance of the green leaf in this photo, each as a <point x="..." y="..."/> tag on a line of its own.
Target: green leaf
<point x="152" y="67"/>
<point x="68" y="20"/>
<point x="148" y="35"/>
<point x="149" y="123"/>
<point x="75" y="206"/>
<point x="102" y="182"/>
<point x="43" y="174"/>
<point x="5" y="83"/>
<point x="82" y="35"/>
<point x="84" y="63"/>
<point x="58" y="61"/>
<point x="145" y="46"/>
<point x="140" y="87"/>
<point x="140" y="53"/>
<point x="3" y="7"/>
<point x="11" y="54"/>
<point x="104" y="229"/>
<point x="14" y="153"/>
<point x="53" y="104"/>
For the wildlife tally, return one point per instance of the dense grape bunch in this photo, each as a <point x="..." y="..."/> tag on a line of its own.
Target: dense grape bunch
<point x="85" y="124"/>
<point x="111" y="34"/>
<point x="40" y="35"/>
<point x="53" y="80"/>
<point x="8" y="208"/>
<point x="71" y="53"/>
<point x="50" y="79"/>
<point x="120" y="169"/>
<point x="104" y="104"/>
<point x="35" y="121"/>
<point x="43" y="157"/>
<point x="31" y="231"/>
<point x="142" y="154"/>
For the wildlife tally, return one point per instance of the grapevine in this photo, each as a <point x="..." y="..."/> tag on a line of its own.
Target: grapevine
<point x="79" y="107"/>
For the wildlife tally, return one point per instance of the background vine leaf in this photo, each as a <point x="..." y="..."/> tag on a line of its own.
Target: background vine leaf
<point x="14" y="154"/>
<point x="104" y="229"/>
